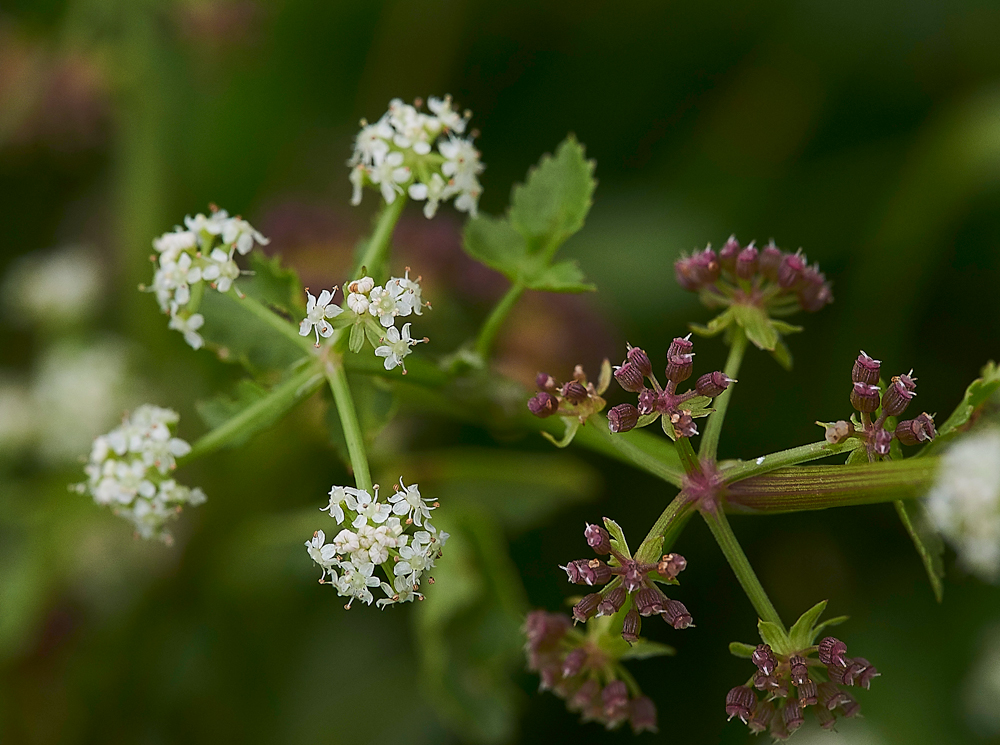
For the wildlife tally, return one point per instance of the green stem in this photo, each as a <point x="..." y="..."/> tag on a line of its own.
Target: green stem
<point x="686" y="453"/>
<point x="272" y="319"/>
<point x="377" y="249"/>
<point x="337" y="378"/>
<point x="766" y="463"/>
<point x="713" y="429"/>
<point x="819" y="487"/>
<point x="260" y="414"/>
<point x="631" y="452"/>
<point x="487" y="335"/>
<point x="666" y="528"/>
<point x="726" y="539"/>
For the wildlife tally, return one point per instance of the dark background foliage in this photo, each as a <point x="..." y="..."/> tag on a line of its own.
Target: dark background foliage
<point x="866" y="133"/>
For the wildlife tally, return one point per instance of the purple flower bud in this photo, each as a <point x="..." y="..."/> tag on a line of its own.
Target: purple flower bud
<point x="848" y="705"/>
<point x="898" y="395"/>
<point x="545" y="629"/>
<point x="640" y="360"/>
<point x="706" y="266"/>
<point x="612" y="602"/>
<point x="867" y="674"/>
<point x="549" y="677"/>
<point x="807" y="693"/>
<point x="677" y="615"/>
<point x="543" y="405"/>
<point x="643" y="715"/>
<point x="740" y="702"/>
<point x="629" y="378"/>
<point x="746" y="263"/>
<point x="585" y="697"/>
<point x="797" y="668"/>
<point x="597" y="538"/>
<point x="729" y="254"/>
<point x="791" y="268"/>
<point x="866" y="369"/>
<point x="914" y="431"/>
<point x="770" y="261"/>
<point x="814" y="293"/>
<point x="615" y="700"/>
<point x="622" y="418"/>
<point x="632" y="577"/>
<point x="712" y="384"/>
<point x="825" y="718"/>
<point x="831" y="651"/>
<point x="573" y="571"/>
<point x="763" y="658"/>
<point x="680" y="345"/>
<point x="778" y="729"/>
<point x="573" y="662"/>
<point x="883" y="439"/>
<point x="574" y="391"/>
<point x="684" y="425"/>
<point x="649" y="601"/>
<point x="588" y="572"/>
<point x="648" y="399"/>
<point x="545" y="382"/>
<point x="761" y="716"/>
<point x="854" y="669"/>
<point x="630" y="626"/>
<point x="792" y="714"/>
<point x="829" y="696"/>
<point x="865" y="397"/>
<point x="587" y="607"/>
<point x="688" y="276"/>
<point x="762" y="681"/>
<point x="671" y="565"/>
<point x="836" y="673"/>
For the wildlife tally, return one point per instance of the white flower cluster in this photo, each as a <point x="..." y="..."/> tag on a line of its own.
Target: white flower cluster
<point x="395" y="535"/>
<point x="371" y="311"/>
<point x="129" y="470"/>
<point x="397" y="152"/>
<point x="202" y="252"/>
<point x="965" y="502"/>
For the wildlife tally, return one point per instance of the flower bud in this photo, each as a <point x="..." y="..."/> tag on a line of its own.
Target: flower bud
<point x="574" y="391"/>
<point x="814" y="293"/>
<point x="865" y="397"/>
<point x="762" y="681"/>
<point x="671" y="565"/>
<point x="761" y="716"/>
<point x="649" y="601"/>
<point x="769" y="261"/>
<point x="587" y="606"/>
<point x="688" y="276"/>
<point x="622" y="418"/>
<point x="640" y="360"/>
<point x="792" y="715"/>
<point x="684" y="425"/>
<point x="867" y="674"/>
<point x="778" y="729"/>
<point x="825" y="718"/>
<point x="588" y="572"/>
<point x="763" y="658"/>
<point x="853" y="671"/>
<point x="632" y="577"/>
<point x="545" y="630"/>
<point x="883" y="440"/>
<point x="648" y="399"/>
<point x="712" y="384"/>
<point x="797" y="668"/>
<point x="746" y="263"/>
<point x="707" y="266"/>
<point x="630" y="626"/>
<point x="615" y="700"/>
<point x="612" y="602"/>
<point x="838" y="432"/>
<point x="848" y="705"/>
<point x="913" y="431"/>
<point x="680" y="345"/>
<point x="543" y="405"/>
<point x="597" y="538"/>
<point x="828" y="696"/>
<point x="807" y="693"/>
<point x="573" y="662"/>
<point x="677" y="615"/>
<point x="832" y="651"/>
<point x="629" y="378"/>
<point x="898" y="395"/>
<point x="545" y="382"/>
<point x="643" y="715"/>
<point x="740" y="702"/>
<point x="866" y="369"/>
<point x="585" y="697"/>
<point x="729" y="254"/>
<point x="791" y="268"/>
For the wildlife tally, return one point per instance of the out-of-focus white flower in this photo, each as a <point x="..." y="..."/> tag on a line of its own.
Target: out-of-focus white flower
<point x="189" y="325"/>
<point x="170" y="245"/>
<point x="965" y="501"/>
<point x="317" y="311"/>
<point x="397" y="346"/>
<point x="409" y="299"/>
<point x="434" y="191"/>
<point x="447" y="116"/>
<point x="221" y="270"/>
<point x="53" y="288"/>
<point x="372" y="143"/>
<point x="388" y="175"/>
<point x="128" y="470"/>
<point x="357" y="179"/>
<point x="241" y="235"/>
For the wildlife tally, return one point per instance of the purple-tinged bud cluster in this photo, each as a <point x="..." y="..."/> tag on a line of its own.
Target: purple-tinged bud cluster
<point x="769" y="277"/>
<point x="576" y="397"/>
<point x="867" y="398"/>
<point x="573" y="668"/>
<point x="627" y="581"/>
<point x="790" y="684"/>
<point x="636" y="370"/>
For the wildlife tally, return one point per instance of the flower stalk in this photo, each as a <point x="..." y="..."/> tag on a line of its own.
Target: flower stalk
<point x="491" y="327"/>
<point x="333" y="367"/>
<point x="376" y="252"/>
<point x="713" y="428"/>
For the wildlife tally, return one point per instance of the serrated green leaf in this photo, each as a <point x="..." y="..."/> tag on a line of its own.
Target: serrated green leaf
<point x="565" y="276"/>
<point x="739" y="649"/>
<point x="756" y="325"/>
<point x="274" y="285"/>
<point x="977" y="394"/>
<point x="801" y="633"/>
<point x="356" y="342"/>
<point x="835" y="621"/>
<point x="617" y="537"/>
<point x="553" y="203"/>
<point x="772" y="635"/>
<point x="644" y="649"/>
<point x="926" y="540"/>
<point x="493" y="241"/>
<point x="782" y="355"/>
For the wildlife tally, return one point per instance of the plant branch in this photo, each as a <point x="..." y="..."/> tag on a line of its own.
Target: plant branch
<point x="337" y="378"/>
<point x="713" y="429"/>
<point x="377" y="249"/>
<point x="741" y="470"/>
<point x="666" y="528"/>
<point x="491" y="327"/>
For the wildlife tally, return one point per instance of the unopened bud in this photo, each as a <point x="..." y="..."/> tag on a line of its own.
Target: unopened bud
<point x="837" y="432"/>
<point x="641" y="361"/>
<point x="545" y="630"/>
<point x="647" y="401"/>
<point x="814" y="293"/>
<point x="684" y="425"/>
<point x="586" y="696"/>
<point x="729" y="254"/>
<point x="792" y="715"/>
<point x="791" y="268"/>
<point x="588" y="572"/>
<point x="630" y="626"/>
<point x="597" y="538"/>
<point x="543" y="404"/>
<point x="707" y="266"/>
<point x="629" y="378"/>
<point x="828" y="696"/>
<point x="883" y="441"/>
<point x="832" y="651"/>
<point x="807" y="693"/>
<point x="797" y="668"/>
<point x="746" y="263"/>
<point x="632" y="577"/>
<point x="914" y="431"/>
<point x="643" y="715"/>
<point x="740" y="702"/>
<point x="825" y="718"/>
<point x="573" y="662"/>
<point x="574" y="391"/>
<point x="612" y="602"/>
<point x="688" y="276"/>
<point x="649" y="601"/>
<point x="769" y="261"/>
<point x="849" y="706"/>
<point x="587" y="606"/>
<point x="622" y="418"/>
<point x="680" y="345"/>
<point x="865" y="397"/>
<point x="545" y="382"/>
<point x="615" y="700"/>
<point x="677" y="615"/>
<point x="898" y="395"/>
<point x="763" y="658"/>
<point x="866" y="369"/>
<point x="867" y="674"/>
<point x="671" y="565"/>
<point x="712" y="384"/>
<point x="761" y="716"/>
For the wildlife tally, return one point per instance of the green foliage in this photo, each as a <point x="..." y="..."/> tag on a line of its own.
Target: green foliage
<point x="763" y="331"/>
<point x="546" y="210"/>
<point x="618" y="541"/>
<point x="927" y="541"/>
<point x="274" y="285"/>
<point x="772" y="634"/>
<point x="801" y="635"/>
<point x="221" y="408"/>
<point x="976" y="396"/>
<point x="645" y="649"/>
<point x="739" y="649"/>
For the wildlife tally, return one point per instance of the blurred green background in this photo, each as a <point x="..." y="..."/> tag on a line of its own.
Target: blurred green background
<point x="866" y="133"/>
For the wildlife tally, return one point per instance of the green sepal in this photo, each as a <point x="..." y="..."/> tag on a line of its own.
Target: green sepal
<point x="716" y="326"/>
<point x="785" y="328"/>
<point x="772" y="635"/>
<point x="697" y="406"/>
<point x="782" y="355"/>
<point x="618" y="541"/>
<point x="356" y="342"/>
<point x="739" y="649"/>
<point x="801" y="634"/>
<point x="668" y="428"/>
<point x="857" y="456"/>
<point x="644" y="649"/>
<point x="343" y="320"/>
<point x="604" y="377"/>
<point x="572" y="425"/>
<point x="647" y="419"/>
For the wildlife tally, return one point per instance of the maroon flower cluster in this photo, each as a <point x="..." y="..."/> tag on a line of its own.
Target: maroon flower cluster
<point x="573" y="668"/>
<point x="675" y="407"/>
<point x="577" y="397"/>
<point x="867" y="398"/>
<point x="626" y="580"/>
<point x="789" y="688"/>
<point x="772" y="277"/>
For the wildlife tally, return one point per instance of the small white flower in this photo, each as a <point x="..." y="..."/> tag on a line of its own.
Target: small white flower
<point x="317" y="311"/>
<point x="338" y="494"/>
<point x="358" y="303"/>
<point x="389" y="174"/>
<point x="383" y="303"/>
<point x="412" y="563"/>
<point x="461" y="161"/>
<point x="355" y="582"/>
<point x="189" y="327"/>
<point x="241" y="235"/>
<point x="408" y="300"/>
<point x="397" y="346"/>
<point x="207" y="226"/>
<point x="371" y="145"/>
<point x="221" y="270"/>
<point x="407" y="501"/>
<point x="435" y="191"/>
<point x="449" y="118"/>
<point x="369" y="508"/>
<point x="346" y="542"/>
<point x="171" y="244"/>
<point x="357" y="179"/>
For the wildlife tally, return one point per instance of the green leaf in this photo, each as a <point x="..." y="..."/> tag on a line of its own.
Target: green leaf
<point x="647" y="419"/>
<point x="977" y="394"/>
<point x="219" y="409"/>
<point x="617" y="537"/>
<point x="554" y="201"/>
<point x="756" y="325"/>
<point x="927" y="541"/>
<point x="801" y="634"/>
<point x="772" y="634"/>
<point x="374" y="332"/>
<point x="858" y="456"/>
<point x="716" y="326"/>
<point x="835" y="621"/>
<point x="494" y="242"/>
<point x="572" y="425"/>
<point x="668" y="428"/>
<point x="785" y="328"/>
<point x="566" y="276"/>
<point x="239" y="336"/>
<point x="697" y="406"/>
<point x="782" y="355"/>
<point x="739" y="649"/>
<point x="274" y="285"/>
<point x="644" y="649"/>
<point x="356" y="342"/>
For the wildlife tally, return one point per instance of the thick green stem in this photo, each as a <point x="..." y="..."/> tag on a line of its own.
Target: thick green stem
<point x="488" y="334"/>
<point x="819" y="487"/>
<point x="670" y="471"/>
<point x="377" y="249"/>
<point x="666" y="528"/>
<point x="272" y="319"/>
<point x="713" y="429"/>
<point x="726" y="539"/>
<point x="260" y="414"/>
<point x="337" y="378"/>
<point x="686" y="453"/>
<point x="766" y="463"/>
